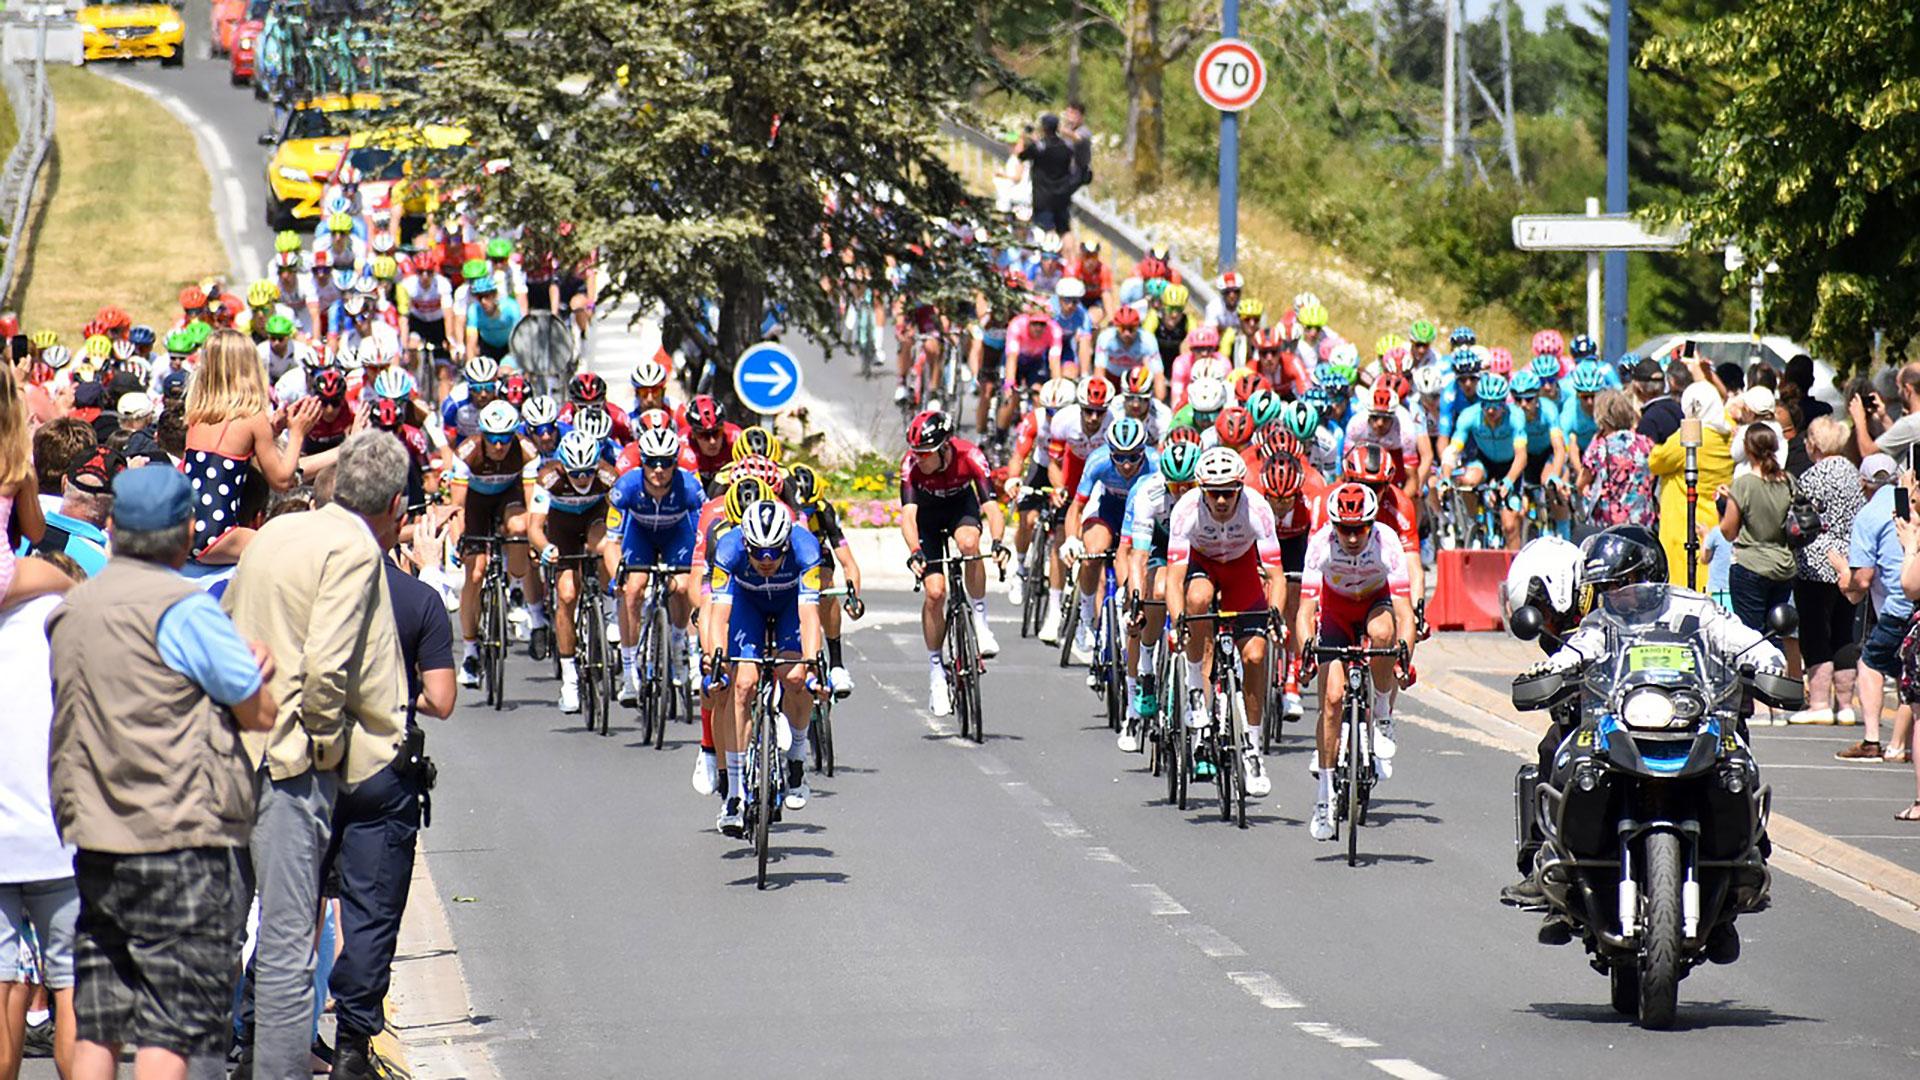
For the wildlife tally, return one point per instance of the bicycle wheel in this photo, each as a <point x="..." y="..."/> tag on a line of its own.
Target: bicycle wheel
<point x="1356" y="753"/>
<point x="1033" y="600"/>
<point x="1069" y="626"/>
<point x="593" y="687"/>
<point x="963" y="672"/>
<point x="820" y="730"/>
<point x="499" y="636"/>
<point x="971" y="718"/>
<point x="1225" y="768"/>
<point x="766" y="756"/>
<point x="658" y="667"/>
<point x="1115" y="649"/>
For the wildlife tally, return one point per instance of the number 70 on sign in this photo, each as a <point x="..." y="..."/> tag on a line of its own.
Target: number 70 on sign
<point x="1229" y="75"/>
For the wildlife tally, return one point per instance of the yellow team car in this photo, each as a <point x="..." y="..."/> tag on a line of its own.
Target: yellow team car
<point x="307" y="148"/>
<point x="132" y="30"/>
<point x="400" y="167"/>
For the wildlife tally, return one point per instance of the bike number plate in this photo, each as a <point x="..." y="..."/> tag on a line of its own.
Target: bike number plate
<point x="1659" y="658"/>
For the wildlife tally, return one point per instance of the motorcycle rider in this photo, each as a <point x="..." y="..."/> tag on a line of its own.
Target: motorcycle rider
<point x="1545" y="575"/>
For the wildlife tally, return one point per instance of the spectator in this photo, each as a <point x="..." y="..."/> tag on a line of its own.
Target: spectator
<point x="22" y="514"/>
<point x="151" y="783"/>
<point x="1732" y="378"/>
<point x="1659" y="412"/>
<point x="1754" y="405"/>
<point x="1052" y="160"/>
<point x="1619" y="488"/>
<point x="1826" y="616"/>
<point x="1872" y="568"/>
<point x="36" y="869"/>
<point x="1073" y="128"/>
<point x="1797" y="387"/>
<point x="78" y="530"/>
<point x="1753" y="514"/>
<point x="136" y="411"/>
<point x="1793" y="428"/>
<point x="1869" y="415"/>
<point x="311" y="586"/>
<point x="57" y="447"/>
<point x="1668" y="464"/>
<point x="1718" y="551"/>
<point x="230" y="425"/>
<point x="1909" y="530"/>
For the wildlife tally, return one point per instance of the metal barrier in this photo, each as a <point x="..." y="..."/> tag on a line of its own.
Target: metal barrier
<point x="32" y="101"/>
<point x="981" y="154"/>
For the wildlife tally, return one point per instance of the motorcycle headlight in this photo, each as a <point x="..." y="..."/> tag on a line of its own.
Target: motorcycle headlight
<point x="1648" y="708"/>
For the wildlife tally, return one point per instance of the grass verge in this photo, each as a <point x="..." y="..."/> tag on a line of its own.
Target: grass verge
<point x="125" y="213"/>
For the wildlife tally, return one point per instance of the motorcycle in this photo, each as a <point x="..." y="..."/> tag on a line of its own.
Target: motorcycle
<point x="1653" y="823"/>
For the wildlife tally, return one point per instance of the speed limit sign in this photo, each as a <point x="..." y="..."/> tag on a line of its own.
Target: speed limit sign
<point x="1230" y="75"/>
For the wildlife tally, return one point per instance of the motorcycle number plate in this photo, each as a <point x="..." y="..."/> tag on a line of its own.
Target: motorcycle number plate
<point x="1659" y="658"/>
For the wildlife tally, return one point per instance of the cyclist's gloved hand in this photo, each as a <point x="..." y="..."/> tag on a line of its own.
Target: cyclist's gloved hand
<point x="854" y="606"/>
<point x="718" y="678"/>
<point x="550" y="554"/>
<point x="917" y="562"/>
<point x="1071" y="548"/>
<point x="1001" y="553"/>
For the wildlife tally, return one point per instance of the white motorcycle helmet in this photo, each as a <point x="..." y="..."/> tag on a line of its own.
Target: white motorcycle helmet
<point x="1545" y="574"/>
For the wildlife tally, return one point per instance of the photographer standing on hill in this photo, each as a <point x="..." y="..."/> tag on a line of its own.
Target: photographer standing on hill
<point x="1056" y="174"/>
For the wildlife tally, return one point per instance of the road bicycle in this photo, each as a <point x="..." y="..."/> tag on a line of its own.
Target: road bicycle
<point x="666" y="684"/>
<point x="597" y="663"/>
<point x="1034" y="595"/>
<point x="1353" y="768"/>
<point x="959" y="647"/>
<point x="1223" y="738"/>
<point x="765" y="777"/>
<point x="822" y="722"/>
<point x="1107" y="671"/>
<point x="493" y="644"/>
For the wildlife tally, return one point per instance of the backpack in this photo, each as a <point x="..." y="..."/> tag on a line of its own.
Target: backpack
<point x="1803" y="524"/>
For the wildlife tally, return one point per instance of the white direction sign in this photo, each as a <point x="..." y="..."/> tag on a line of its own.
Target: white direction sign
<point x="1579" y="232"/>
<point x="1230" y="75"/>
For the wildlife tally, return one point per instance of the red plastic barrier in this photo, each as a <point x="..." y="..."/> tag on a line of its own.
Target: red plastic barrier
<point x="1466" y="590"/>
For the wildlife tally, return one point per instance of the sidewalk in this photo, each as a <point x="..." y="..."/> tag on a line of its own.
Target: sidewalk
<point x="1832" y="822"/>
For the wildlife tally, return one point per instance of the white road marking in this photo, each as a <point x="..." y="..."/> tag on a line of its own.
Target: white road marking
<point x="1403" y="1069"/>
<point x="1265" y="989"/>
<point x="1064" y="827"/>
<point x="1106" y="855"/>
<point x="1159" y="902"/>
<point x="1346" y="1040"/>
<point x="1208" y="940"/>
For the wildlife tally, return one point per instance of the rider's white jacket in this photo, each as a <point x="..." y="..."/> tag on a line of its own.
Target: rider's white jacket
<point x="1727" y="634"/>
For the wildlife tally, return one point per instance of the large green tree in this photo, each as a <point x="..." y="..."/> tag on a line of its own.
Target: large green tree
<point x="723" y="149"/>
<point x="1814" y="162"/>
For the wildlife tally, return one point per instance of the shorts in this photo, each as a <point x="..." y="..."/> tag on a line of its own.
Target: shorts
<point x="487" y="514"/>
<point x="51" y="909"/>
<point x="748" y="622"/>
<point x="1473" y="456"/>
<point x="156" y="942"/>
<point x="1032" y="371"/>
<point x="1030" y="495"/>
<point x="1882" y="649"/>
<point x="1293" y="553"/>
<point x="939" y="518"/>
<point x="433" y="333"/>
<point x="1343" y="619"/>
<point x="646" y="547"/>
<point x="1053" y="217"/>
<point x="1537" y="466"/>
<point x="1236" y="583"/>
<point x="496" y="352"/>
<point x="1109" y="511"/>
<point x="569" y="531"/>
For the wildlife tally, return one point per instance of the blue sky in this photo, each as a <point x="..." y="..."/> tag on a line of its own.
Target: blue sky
<point x="1533" y="11"/>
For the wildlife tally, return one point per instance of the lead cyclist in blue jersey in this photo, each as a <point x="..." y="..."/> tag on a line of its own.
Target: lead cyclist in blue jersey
<point x="1488" y="444"/>
<point x="659" y="505"/>
<point x="1110" y="473"/>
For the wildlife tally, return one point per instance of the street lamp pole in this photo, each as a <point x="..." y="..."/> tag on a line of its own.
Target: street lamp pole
<point x="1616" y="261"/>
<point x="1229" y="156"/>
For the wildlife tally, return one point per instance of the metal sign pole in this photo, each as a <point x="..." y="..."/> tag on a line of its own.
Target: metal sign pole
<point x="1229" y="156"/>
<point x="1616" y="340"/>
<point x="1691" y="435"/>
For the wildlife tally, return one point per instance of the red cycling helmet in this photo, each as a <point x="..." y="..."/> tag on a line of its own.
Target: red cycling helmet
<point x="1281" y="477"/>
<point x="1095" y="392"/>
<point x="1151" y="267"/>
<point x="514" y="388"/>
<point x="386" y="414"/>
<point x="1183" y="435"/>
<point x="1383" y="400"/>
<point x="652" y="419"/>
<point x="1398" y="382"/>
<point x="1248" y="385"/>
<point x="329" y="385"/>
<point x="1276" y="441"/>
<point x="930" y="431"/>
<point x="1234" y="425"/>
<point x="1127" y="318"/>
<point x="587" y="388"/>
<point x="1268" y="339"/>
<point x="1352" y="504"/>
<point x="703" y="414"/>
<point x="193" y="298"/>
<point x="761" y="468"/>
<point x="1368" y="464"/>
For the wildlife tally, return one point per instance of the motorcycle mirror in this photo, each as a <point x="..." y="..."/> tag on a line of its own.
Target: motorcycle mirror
<point x="1783" y="620"/>
<point x="267" y="138"/>
<point x="1526" y="622"/>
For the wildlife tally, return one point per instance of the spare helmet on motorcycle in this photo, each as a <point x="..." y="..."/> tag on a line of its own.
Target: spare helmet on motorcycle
<point x="1620" y="556"/>
<point x="1178" y="460"/>
<point x="1546" y="575"/>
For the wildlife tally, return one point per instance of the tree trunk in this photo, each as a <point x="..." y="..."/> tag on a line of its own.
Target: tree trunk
<point x="1146" y="88"/>
<point x="982" y="34"/>
<point x="1463" y="84"/>
<point x="1073" y="62"/>
<point x="743" y="300"/>
<point x="1509" y="132"/>
<point x="1447" y="57"/>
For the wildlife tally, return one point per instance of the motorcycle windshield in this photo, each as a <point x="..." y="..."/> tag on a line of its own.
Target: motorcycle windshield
<point x="1643" y="650"/>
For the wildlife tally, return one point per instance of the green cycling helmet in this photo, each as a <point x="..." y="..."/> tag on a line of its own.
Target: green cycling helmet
<point x="180" y="343"/>
<point x="279" y="326"/>
<point x="286" y="240"/>
<point x="1265" y="407"/>
<point x="200" y="331"/>
<point x="499" y="248"/>
<point x="1156" y="287"/>
<point x="1302" y="419"/>
<point x="1423" y="332"/>
<point x="475" y="269"/>
<point x="1178" y="462"/>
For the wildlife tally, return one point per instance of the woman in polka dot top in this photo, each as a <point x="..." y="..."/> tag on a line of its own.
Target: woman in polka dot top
<point x="230" y="424"/>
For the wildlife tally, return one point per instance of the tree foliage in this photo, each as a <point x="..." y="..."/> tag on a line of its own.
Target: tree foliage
<point x="1814" y="161"/>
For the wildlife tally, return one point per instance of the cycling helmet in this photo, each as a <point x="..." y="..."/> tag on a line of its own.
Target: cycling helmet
<point x="340" y="223"/>
<point x="44" y="339"/>
<point x="803" y="483"/>
<point x="648" y="374"/>
<point x="1246" y="382"/>
<point x="1204" y="337"/>
<point x="1329" y="376"/>
<point x="200" y="332"/>
<point x="56" y="356"/>
<point x="1250" y="309"/>
<point x="386" y="414"/>
<point x="1621" y="555"/>
<point x="1423" y="332"/>
<point x="143" y="335"/>
<point x="1175" y="297"/>
<point x="367" y="354"/>
<point x="1352" y="504"/>
<point x="1583" y="347"/>
<point x="1178" y="461"/>
<point x="193" y="298"/>
<point x="1305" y="299"/>
<point x="393" y="383"/>
<point x="1234" y="426"/>
<point x="759" y="468"/>
<point x="99" y="347"/>
<point x="1220" y="467"/>
<point x="594" y="421"/>
<point x="1549" y="343"/>
<point x="481" y="369"/>
<point x="289" y="260"/>
<point x="1094" y="392"/>
<point x="1070" y="288"/>
<point x="1368" y="464"/>
<point x="123" y="350"/>
<point x="499" y="248"/>
<point x="1524" y="383"/>
<point x="1545" y="367"/>
<point x="1126" y="319"/>
<point x="262" y="294"/>
<point x="1281" y="477"/>
<point x="1151" y="268"/>
<point x="1265" y="407"/>
<point x="1589" y="377"/>
<point x="539" y="411"/>
<point x="703" y="414"/>
<point x="1626" y="364"/>
<point x="1268" y="339"/>
<point x="758" y="441"/>
<point x="1499" y="361"/>
<point x="1229" y="282"/>
<point x="1345" y="355"/>
<point x="303" y="354"/>
<point x="766" y="525"/>
<point x="286" y="241"/>
<point x="926" y="434"/>
<point x="329" y="385"/>
<point x="1493" y="389"/>
<point x="1277" y="441"/>
<point x="485" y="286"/>
<point x="499" y="418"/>
<point x="1302" y="419"/>
<point x="1057" y="393"/>
<point x="1311" y="317"/>
<point x="475" y="269"/>
<point x="1126" y="436"/>
<point x="1462" y="336"/>
<point x="385" y="268"/>
<point x="278" y="326"/>
<point x="381" y="243"/>
<point x="1465" y="361"/>
<point x="578" y="452"/>
<point x="1382" y="401"/>
<point x="1154" y="288"/>
<point x="658" y="443"/>
<point x="743" y="492"/>
<point x="1206" y="396"/>
<point x="586" y="388"/>
<point x="1182" y="436"/>
<point x="1137" y="382"/>
<point x="653" y="419"/>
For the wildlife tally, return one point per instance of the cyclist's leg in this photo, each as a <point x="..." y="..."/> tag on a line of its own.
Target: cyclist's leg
<point x="1200" y="591"/>
<point x="1293" y="559"/>
<point x="1096" y="535"/>
<point x="1380" y="635"/>
<point x="638" y="547"/>
<point x="520" y="566"/>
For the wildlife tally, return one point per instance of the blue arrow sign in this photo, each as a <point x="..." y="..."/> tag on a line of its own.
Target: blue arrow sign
<point x="767" y="378"/>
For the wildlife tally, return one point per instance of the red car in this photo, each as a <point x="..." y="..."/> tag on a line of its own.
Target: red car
<point x="246" y="35"/>
<point x="224" y="14"/>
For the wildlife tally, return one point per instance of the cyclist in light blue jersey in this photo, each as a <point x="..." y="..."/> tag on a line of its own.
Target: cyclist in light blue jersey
<point x="1489" y="444"/>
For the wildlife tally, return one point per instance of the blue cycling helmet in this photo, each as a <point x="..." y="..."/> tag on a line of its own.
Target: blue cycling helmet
<point x="1525" y="383"/>
<point x="1582" y="347"/>
<point x="1462" y="335"/>
<point x="1126" y="435"/>
<point x="1589" y="377"/>
<point x="1627" y="362"/>
<point x="1493" y="389"/>
<point x="1465" y="361"/>
<point x="1329" y="376"/>
<point x="141" y="336"/>
<point x="1545" y="367"/>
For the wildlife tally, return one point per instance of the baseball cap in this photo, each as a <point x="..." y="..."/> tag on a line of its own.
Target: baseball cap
<point x="1878" y="468"/>
<point x="134" y="406"/>
<point x="151" y="498"/>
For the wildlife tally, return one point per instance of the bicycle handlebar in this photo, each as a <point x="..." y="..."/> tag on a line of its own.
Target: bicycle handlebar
<point x="1358" y="652"/>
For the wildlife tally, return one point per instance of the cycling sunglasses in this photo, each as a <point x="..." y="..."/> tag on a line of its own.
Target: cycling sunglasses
<point x="766" y="555"/>
<point x="1524" y="398"/>
<point x="1093" y="410"/>
<point x="1129" y="459"/>
<point x="1222" y="494"/>
<point x="498" y="440"/>
<point x="545" y="430"/>
<point x="1353" y="531"/>
<point x="582" y="474"/>
<point x="484" y="387"/>
<point x="659" y="462"/>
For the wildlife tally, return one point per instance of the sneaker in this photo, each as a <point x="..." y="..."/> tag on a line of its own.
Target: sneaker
<point x="1902" y="756"/>
<point x="1290" y="706"/>
<point x="797" y="790"/>
<point x="938" y="703"/>
<point x="1811" y="716"/>
<point x="731" y="822"/>
<point x="1196" y="709"/>
<point x="1050" y="627"/>
<point x="1129" y="740"/>
<point x="1382" y="768"/>
<point x="1862" y="751"/>
<point x="1846" y="718"/>
<point x="1017" y="590"/>
<point x="470" y="672"/>
<point x="1524" y="894"/>
<point x="900" y="392"/>
<point x="519" y="624"/>
<point x="1321" y="827"/>
<point x="840" y="680"/>
<point x="989" y="645"/>
<point x="613" y="630"/>
<point x="706" y="771"/>
<point x="1259" y="786"/>
<point x="1082" y="643"/>
<point x="630" y="689"/>
<point x="38" y="1042"/>
<point x="569" y="697"/>
<point x="1383" y="745"/>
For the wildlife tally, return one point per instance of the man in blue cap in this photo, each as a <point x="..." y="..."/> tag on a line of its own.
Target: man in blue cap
<point x="152" y="687"/>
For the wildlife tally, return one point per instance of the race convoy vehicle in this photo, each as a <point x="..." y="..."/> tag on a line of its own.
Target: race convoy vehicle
<point x="242" y="59"/>
<point x="307" y="149"/>
<point x="132" y="30"/>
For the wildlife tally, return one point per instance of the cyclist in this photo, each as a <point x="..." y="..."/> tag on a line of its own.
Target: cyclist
<point x="765" y="584"/>
<point x="1388" y="425"/>
<point x="296" y="286"/>
<point x="587" y="392"/>
<point x="494" y="473"/>
<point x="987" y="351"/>
<point x="1170" y="325"/>
<point x="427" y="296"/>
<point x="711" y="438"/>
<point x="1205" y="398"/>
<point x="1221" y="545"/>
<point x="1297" y="496"/>
<point x="649" y="379"/>
<point x="1029" y="474"/>
<point x="540" y="423"/>
<point x="659" y="505"/>
<point x="1354" y="590"/>
<point x="819" y="517"/>
<point x="568" y="517"/>
<point x="460" y="413"/>
<point x="1123" y="349"/>
<point x="1144" y="537"/>
<point x="1459" y="395"/>
<point x="276" y="352"/>
<point x="1488" y="445"/>
<point x="1420" y="352"/>
<point x="1577" y="426"/>
<point x="1371" y="467"/>
<point x="944" y="483"/>
<point x="717" y="516"/>
<point x="1095" y="275"/>
<point x="1111" y="472"/>
<point x="490" y="320"/>
<point x="1317" y="342"/>
<point x="1035" y="348"/>
<point x="1138" y="401"/>
<point x="1076" y="326"/>
<point x="1276" y="361"/>
<point x="1223" y="311"/>
<point x="1546" y="445"/>
<point x="1074" y="434"/>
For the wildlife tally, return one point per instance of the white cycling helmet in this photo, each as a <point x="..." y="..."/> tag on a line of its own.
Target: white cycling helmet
<point x="1220" y="467"/>
<point x="578" y="452"/>
<point x="481" y="369"/>
<point x="122" y="349"/>
<point x="1431" y="379"/>
<point x="394" y="384"/>
<point x="594" y="422"/>
<point x="1303" y="301"/>
<point x="649" y="373"/>
<point x="369" y="354"/>
<point x="766" y="524"/>
<point x="56" y="356"/>
<point x="499" y="418"/>
<point x="539" y="410"/>
<point x="1056" y="393"/>
<point x="306" y="356"/>
<point x="1207" y="395"/>
<point x="1050" y="243"/>
<point x="1070" y="288"/>
<point x="1210" y="367"/>
<point x="658" y="443"/>
<point x="1546" y="574"/>
<point x="1094" y="392"/>
<point x="1345" y="354"/>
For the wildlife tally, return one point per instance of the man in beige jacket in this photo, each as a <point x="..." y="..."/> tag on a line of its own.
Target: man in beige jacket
<point x="311" y="587"/>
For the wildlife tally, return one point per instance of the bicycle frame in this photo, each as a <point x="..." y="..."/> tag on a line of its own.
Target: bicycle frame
<point x="1353" y="770"/>
<point x="654" y="653"/>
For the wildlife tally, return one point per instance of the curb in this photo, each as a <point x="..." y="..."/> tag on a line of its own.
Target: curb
<point x="432" y="1030"/>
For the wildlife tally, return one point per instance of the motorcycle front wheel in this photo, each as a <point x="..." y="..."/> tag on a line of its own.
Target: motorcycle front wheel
<point x="1660" y="963"/>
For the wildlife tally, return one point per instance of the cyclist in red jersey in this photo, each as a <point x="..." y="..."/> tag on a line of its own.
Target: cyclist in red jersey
<point x="589" y="391"/>
<point x="1298" y="497"/>
<point x="710" y="437"/>
<point x="944" y="482"/>
<point x="1371" y="465"/>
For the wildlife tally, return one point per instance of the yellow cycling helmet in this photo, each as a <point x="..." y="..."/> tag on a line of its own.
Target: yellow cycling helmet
<point x="385" y="268"/>
<point x="99" y="347"/>
<point x="83" y="372"/>
<point x="340" y="223"/>
<point x="1388" y="343"/>
<point x="1313" y="315"/>
<point x="742" y="493"/>
<point x="45" y="339"/>
<point x="286" y="240"/>
<point x="804" y="484"/>
<point x="1250" y="308"/>
<point x="1175" y="297"/>
<point x="263" y="293"/>
<point x="757" y="440"/>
